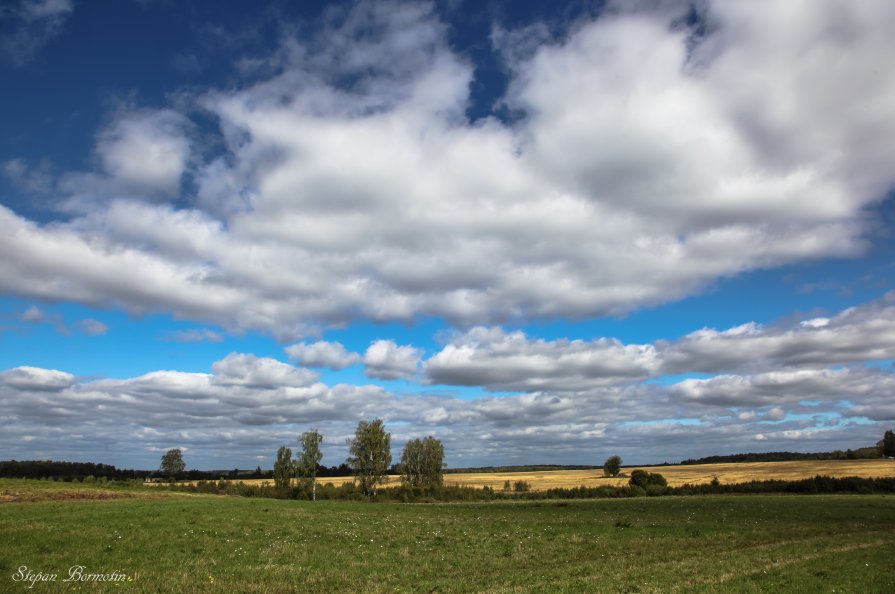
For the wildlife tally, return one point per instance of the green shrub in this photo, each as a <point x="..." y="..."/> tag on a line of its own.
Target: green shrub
<point x="639" y="478"/>
<point x="643" y="479"/>
<point x="521" y="487"/>
<point x="653" y="490"/>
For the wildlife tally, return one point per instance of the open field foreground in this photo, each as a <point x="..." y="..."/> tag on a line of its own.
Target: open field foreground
<point x="676" y="475"/>
<point x="670" y="544"/>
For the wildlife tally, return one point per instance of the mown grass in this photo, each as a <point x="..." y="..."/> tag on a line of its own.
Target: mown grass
<point x="679" y="544"/>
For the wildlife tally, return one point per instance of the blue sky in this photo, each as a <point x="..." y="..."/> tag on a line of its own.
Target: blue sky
<point x="540" y="233"/>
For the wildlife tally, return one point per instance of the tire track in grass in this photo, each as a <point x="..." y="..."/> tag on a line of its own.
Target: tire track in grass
<point x="781" y="563"/>
<point x="690" y="566"/>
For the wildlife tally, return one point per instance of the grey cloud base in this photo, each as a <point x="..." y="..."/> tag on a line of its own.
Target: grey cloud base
<point x="796" y="388"/>
<point x="502" y="361"/>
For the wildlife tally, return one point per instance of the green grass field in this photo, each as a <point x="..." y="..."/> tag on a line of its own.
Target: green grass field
<point x="187" y="543"/>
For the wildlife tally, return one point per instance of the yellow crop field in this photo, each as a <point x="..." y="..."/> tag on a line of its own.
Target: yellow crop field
<point x="679" y="475"/>
<point x="676" y="475"/>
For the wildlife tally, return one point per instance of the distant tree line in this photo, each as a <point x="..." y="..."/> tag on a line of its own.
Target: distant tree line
<point x="520" y="468"/>
<point x="858" y="454"/>
<point x="66" y="471"/>
<point x="652" y="485"/>
<point x="409" y="468"/>
<point x="69" y="471"/>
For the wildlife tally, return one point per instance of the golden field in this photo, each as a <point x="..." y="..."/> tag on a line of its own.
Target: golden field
<point x="676" y="475"/>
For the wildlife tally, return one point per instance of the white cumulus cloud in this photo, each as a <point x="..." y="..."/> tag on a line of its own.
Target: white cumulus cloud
<point x="323" y="354"/>
<point x="386" y="360"/>
<point x="498" y="360"/>
<point x="511" y="361"/>
<point x="260" y="372"/>
<point x="646" y="163"/>
<point x="35" y="378"/>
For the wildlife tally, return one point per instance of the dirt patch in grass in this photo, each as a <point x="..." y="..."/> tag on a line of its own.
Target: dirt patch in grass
<point x="62" y="495"/>
<point x="27" y="491"/>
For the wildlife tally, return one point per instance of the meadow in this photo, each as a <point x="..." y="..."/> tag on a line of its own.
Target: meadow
<point x="175" y="542"/>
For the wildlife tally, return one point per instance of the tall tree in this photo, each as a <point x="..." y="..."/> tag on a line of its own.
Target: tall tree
<point x="309" y="458"/>
<point x="283" y="468"/>
<point x="422" y="463"/>
<point x="889" y="444"/>
<point x="370" y="455"/>
<point x="172" y="464"/>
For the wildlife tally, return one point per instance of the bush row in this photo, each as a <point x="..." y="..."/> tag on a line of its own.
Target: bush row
<point x="653" y="485"/>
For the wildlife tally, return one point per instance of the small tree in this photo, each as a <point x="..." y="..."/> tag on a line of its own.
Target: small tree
<point x="889" y="444"/>
<point x="283" y="468"/>
<point x="612" y="466"/>
<point x="308" y="459"/>
<point x="172" y="464"/>
<point x="422" y="463"/>
<point x="370" y="455"/>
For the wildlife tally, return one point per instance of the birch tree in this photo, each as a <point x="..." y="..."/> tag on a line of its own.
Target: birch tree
<point x="308" y="459"/>
<point x="422" y="463"/>
<point x="370" y="455"/>
<point x="283" y="468"/>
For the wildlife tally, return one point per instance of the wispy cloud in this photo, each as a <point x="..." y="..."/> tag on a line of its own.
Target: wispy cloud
<point x="35" y="315"/>
<point x="35" y="179"/>
<point x="194" y="335"/>
<point x="29" y="26"/>
<point x="92" y="327"/>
